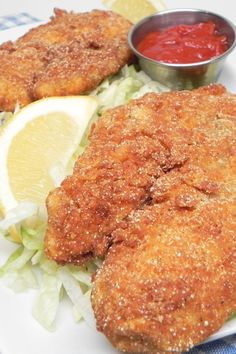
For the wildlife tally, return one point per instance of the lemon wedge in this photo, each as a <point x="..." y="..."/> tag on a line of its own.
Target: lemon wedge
<point x="41" y="135"/>
<point x="135" y="10"/>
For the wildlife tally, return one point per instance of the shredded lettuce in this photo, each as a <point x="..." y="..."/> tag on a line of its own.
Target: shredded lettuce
<point x="57" y="173"/>
<point x="130" y="83"/>
<point x="28" y="267"/>
<point x="32" y="239"/>
<point x="18" y="214"/>
<point x="47" y="303"/>
<point x="80" y="300"/>
<point x="16" y="273"/>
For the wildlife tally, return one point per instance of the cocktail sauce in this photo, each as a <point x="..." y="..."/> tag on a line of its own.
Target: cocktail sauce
<point x="184" y="44"/>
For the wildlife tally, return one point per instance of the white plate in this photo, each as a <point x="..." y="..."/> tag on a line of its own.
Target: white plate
<point x="19" y="332"/>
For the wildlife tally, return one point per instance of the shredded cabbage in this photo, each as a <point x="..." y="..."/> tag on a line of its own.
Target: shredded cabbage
<point x="18" y="214"/>
<point x="128" y="84"/>
<point x="80" y="299"/>
<point x="46" y="305"/>
<point x="28" y="267"/>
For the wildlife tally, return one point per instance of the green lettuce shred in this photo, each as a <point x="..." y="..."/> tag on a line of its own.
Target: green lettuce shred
<point x="46" y="305"/>
<point x="130" y="83"/>
<point x="28" y="267"/>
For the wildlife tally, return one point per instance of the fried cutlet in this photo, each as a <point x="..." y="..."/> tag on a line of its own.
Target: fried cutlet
<point x="17" y="69"/>
<point x="75" y="52"/>
<point x="96" y="26"/>
<point x="130" y="148"/>
<point x="172" y="282"/>
<point x="169" y="280"/>
<point x="86" y="49"/>
<point x="79" y="67"/>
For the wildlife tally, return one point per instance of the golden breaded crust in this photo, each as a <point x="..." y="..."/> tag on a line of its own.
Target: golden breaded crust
<point x="17" y="69"/>
<point x="131" y="147"/>
<point x="96" y="26"/>
<point x="73" y="53"/>
<point x="172" y="282"/>
<point x="78" y="68"/>
<point x="169" y="280"/>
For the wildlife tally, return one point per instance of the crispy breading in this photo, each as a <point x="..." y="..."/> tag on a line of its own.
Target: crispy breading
<point x="95" y="26"/>
<point x="72" y="54"/>
<point x="172" y="282"/>
<point x="130" y="147"/>
<point x="78" y="68"/>
<point x="17" y="69"/>
<point x="169" y="280"/>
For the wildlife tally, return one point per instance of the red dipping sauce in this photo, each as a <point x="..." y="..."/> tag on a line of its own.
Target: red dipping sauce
<point x="184" y="44"/>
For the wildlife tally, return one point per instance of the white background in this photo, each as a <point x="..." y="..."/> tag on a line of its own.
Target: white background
<point x="19" y="332"/>
<point x="43" y="8"/>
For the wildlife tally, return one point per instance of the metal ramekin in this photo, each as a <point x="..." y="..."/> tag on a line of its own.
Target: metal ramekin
<point x="182" y="76"/>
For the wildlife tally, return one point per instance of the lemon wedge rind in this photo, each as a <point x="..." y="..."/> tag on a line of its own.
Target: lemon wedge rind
<point x="56" y="123"/>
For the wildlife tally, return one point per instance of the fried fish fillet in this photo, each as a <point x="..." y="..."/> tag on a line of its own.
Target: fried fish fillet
<point x="172" y="282"/>
<point x="169" y="279"/>
<point x="84" y="49"/>
<point x="17" y="70"/>
<point x="71" y="55"/>
<point x="79" y="68"/>
<point x="130" y="148"/>
<point x="96" y="26"/>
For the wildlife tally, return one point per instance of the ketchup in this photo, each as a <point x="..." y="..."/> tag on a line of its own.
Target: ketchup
<point x="184" y="43"/>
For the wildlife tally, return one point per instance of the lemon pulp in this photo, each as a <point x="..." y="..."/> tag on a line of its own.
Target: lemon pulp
<point x="135" y="10"/>
<point x="40" y="137"/>
<point x="22" y="153"/>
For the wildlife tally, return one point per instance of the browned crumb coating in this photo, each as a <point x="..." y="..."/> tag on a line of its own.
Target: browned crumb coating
<point x="158" y="186"/>
<point x="78" y="68"/>
<point x="69" y="55"/>
<point x="130" y="147"/>
<point x="169" y="279"/>
<point x="111" y="179"/>
<point x="17" y="69"/>
<point x="172" y="282"/>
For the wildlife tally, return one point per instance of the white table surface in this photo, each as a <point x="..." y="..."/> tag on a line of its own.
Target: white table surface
<point x="44" y="8"/>
<point x="24" y="335"/>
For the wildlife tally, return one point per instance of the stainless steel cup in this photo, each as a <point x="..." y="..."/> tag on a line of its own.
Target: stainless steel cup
<point x="182" y="76"/>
